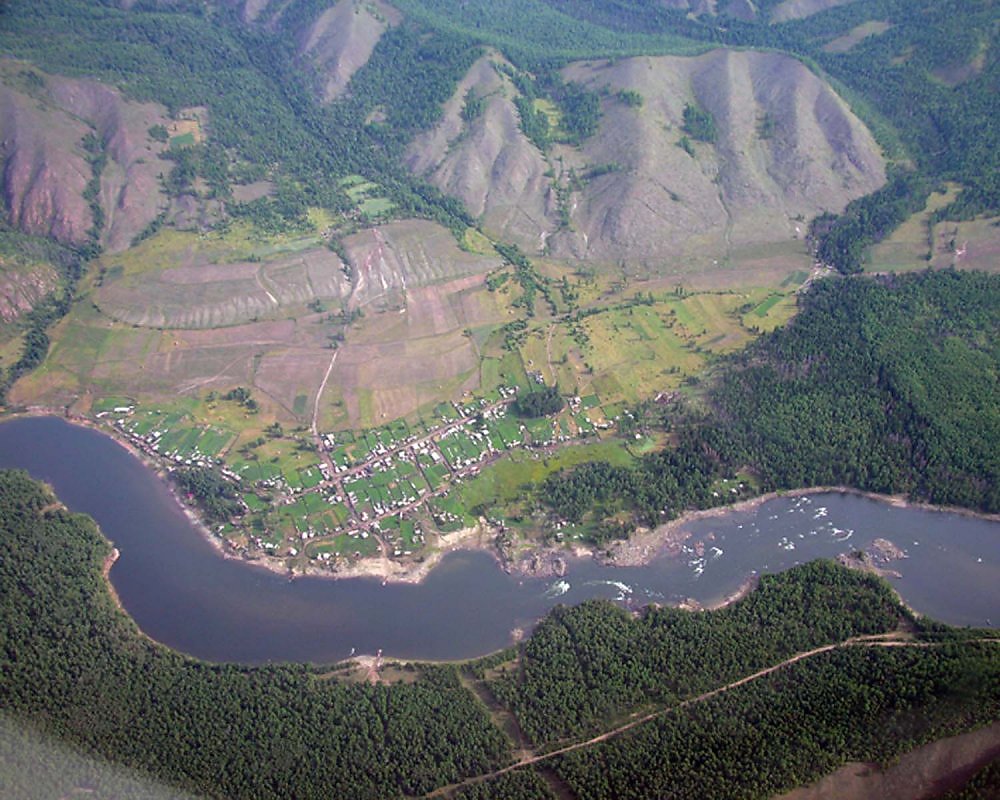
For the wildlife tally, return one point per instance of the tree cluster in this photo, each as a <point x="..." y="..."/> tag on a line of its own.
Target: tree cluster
<point x="887" y="385"/>
<point x="540" y="403"/>
<point x="795" y="725"/>
<point x="592" y="663"/>
<point x="77" y="668"/>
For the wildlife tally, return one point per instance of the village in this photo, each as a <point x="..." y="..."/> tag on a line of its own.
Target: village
<point x="336" y="497"/>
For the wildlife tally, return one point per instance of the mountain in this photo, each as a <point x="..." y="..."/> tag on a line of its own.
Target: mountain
<point x="785" y="148"/>
<point x="341" y="40"/>
<point x="45" y="122"/>
<point x="488" y="163"/>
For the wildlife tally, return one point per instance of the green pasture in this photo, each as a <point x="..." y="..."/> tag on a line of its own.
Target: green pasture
<point x="772" y="312"/>
<point x="794" y="279"/>
<point x="505" y="480"/>
<point x="909" y="247"/>
<point x="376" y="206"/>
<point x="106" y="404"/>
<point x="343" y="545"/>
<point x="182" y="140"/>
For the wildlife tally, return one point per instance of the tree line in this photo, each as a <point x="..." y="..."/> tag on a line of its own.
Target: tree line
<point x="794" y="726"/>
<point x="886" y="384"/>
<point x="588" y="664"/>
<point x="77" y="668"/>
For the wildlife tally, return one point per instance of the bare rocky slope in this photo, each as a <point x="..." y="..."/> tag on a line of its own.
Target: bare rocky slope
<point x="488" y="163"/>
<point x="748" y="10"/>
<point x="744" y="10"/>
<point x="249" y="10"/>
<point x="787" y="149"/>
<point x="800" y="9"/>
<point x="341" y="40"/>
<point x="21" y="288"/>
<point x="43" y="122"/>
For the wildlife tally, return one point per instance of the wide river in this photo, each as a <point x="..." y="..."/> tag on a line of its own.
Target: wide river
<point x="181" y="592"/>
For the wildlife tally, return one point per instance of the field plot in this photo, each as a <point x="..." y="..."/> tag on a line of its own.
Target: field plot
<point x="972" y="244"/>
<point x="344" y="545"/>
<point x="463" y="448"/>
<point x="381" y="382"/>
<point x="420" y="348"/>
<point x="450" y="305"/>
<point x="435" y="470"/>
<point x="542" y="432"/>
<point x="909" y="245"/>
<point x="507" y="370"/>
<point x="749" y="265"/>
<point x="278" y="463"/>
<point x="367" y="196"/>
<point x="185" y="315"/>
<point x="775" y="310"/>
<point x="389" y="260"/>
<point x="173" y="435"/>
<point x="638" y="351"/>
<point x="649" y="344"/>
<point x="387" y="486"/>
<point x="504" y="482"/>
<point x="404" y="536"/>
<point x="194" y="286"/>
<point x="286" y="375"/>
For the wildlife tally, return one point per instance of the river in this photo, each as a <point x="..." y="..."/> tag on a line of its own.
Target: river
<point x="181" y="592"/>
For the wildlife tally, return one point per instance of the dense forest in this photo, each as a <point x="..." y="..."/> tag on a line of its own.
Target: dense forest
<point x="587" y="663"/>
<point x="791" y="727"/>
<point x="78" y="669"/>
<point x="890" y="385"/>
<point x="74" y="668"/>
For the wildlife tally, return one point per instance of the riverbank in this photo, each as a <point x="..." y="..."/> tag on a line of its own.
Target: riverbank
<point x="109" y="562"/>
<point x="556" y="560"/>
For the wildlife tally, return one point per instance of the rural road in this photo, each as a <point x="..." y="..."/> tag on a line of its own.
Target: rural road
<point x="878" y="640"/>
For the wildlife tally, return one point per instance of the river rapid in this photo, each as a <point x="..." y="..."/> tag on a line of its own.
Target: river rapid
<point x="182" y="592"/>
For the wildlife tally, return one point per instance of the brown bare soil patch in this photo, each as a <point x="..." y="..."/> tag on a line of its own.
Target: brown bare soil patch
<point x="843" y="44"/>
<point x="381" y="382"/>
<point x="393" y="259"/>
<point x="285" y="374"/>
<point x="341" y="40"/>
<point x="925" y="772"/>
<point x="198" y="293"/>
<point x="800" y="9"/>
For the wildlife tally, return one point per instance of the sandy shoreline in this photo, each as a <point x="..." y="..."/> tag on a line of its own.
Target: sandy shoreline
<point x="109" y="562"/>
<point x="640" y="549"/>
